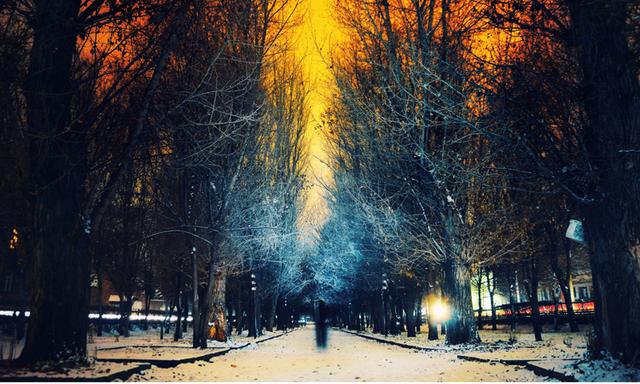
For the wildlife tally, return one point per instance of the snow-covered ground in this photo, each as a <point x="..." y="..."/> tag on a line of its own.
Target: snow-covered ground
<point x="151" y="337"/>
<point x="560" y="344"/>
<point x="104" y="370"/>
<point x="560" y="351"/>
<point x="146" y="346"/>
<point x="294" y="357"/>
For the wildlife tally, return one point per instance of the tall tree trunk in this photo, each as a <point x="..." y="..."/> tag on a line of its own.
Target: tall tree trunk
<point x="147" y="309"/>
<point x="400" y="314"/>
<point x="479" y="281"/>
<point x="252" y="314"/>
<point x="258" y="312"/>
<point x="563" y="281"/>
<point x="533" y="299"/>
<point x="206" y="303"/>
<point x="376" y="310"/>
<point x="126" y="303"/>
<point x="556" y="315"/>
<point x="195" y="312"/>
<point x="491" y="286"/>
<point x="418" y="306"/>
<point x="100" y="305"/>
<point x="58" y="276"/>
<point x="384" y="310"/>
<point x="512" y="300"/>
<point x="167" y="319"/>
<point x="185" y="311"/>
<point x="217" y="317"/>
<point x="612" y="104"/>
<point x="432" y="324"/>
<point x="239" y="309"/>
<point x="461" y="326"/>
<point x="410" y="311"/>
<point x="563" y="276"/>
<point x="177" y="334"/>
<point x="392" y="321"/>
<point x="273" y="306"/>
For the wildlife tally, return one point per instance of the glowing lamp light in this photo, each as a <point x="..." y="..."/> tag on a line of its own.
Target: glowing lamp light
<point x="440" y="311"/>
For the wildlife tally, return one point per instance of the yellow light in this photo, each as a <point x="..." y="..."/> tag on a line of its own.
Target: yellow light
<point x="13" y="242"/>
<point x="440" y="311"/>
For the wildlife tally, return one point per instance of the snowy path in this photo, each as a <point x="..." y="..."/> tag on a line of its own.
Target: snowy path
<point x="348" y="358"/>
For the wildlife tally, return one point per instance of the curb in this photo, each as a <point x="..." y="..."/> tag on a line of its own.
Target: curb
<point x="549" y="373"/>
<point x="151" y="346"/>
<point x="270" y="338"/>
<point x="524" y="363"/>
<point x="396" y="343"/>
<point x="501" y="361"/>
<point x="173" y="363"/>
<point x="120" y="375"/>
<point x="167" y="363"/>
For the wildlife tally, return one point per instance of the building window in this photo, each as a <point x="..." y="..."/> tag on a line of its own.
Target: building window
<point x="543" y="294"/>
<point x="583" y="293"/>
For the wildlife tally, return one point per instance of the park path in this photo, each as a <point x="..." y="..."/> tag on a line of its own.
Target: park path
<point x="294" y="357"/>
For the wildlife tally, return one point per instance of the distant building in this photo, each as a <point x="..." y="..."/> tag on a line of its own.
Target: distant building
<point x="581" y="285"/>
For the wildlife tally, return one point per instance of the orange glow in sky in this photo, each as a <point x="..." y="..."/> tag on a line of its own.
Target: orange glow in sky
<point x="317" y="36"/>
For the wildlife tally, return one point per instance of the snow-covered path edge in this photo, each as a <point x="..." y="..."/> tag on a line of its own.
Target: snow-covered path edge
<point x="535" y="369"/>
<point x="174" y="363"/>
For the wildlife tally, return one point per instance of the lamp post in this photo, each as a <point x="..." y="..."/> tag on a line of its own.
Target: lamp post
<point x="383" y="293"/>
<point x="254" y="303"/>
<point x="286" y="315"/>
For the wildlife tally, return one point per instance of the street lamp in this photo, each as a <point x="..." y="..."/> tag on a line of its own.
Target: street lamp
<point x="385" y="288"/>
<point x="254" y="288"/>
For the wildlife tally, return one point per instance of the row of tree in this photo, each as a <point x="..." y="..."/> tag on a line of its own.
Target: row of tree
<point x="466" y="134"/>
<point x="157" y="145"/>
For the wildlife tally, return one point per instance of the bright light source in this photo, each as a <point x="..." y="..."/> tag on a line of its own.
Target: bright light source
<point x="440" y="311"/>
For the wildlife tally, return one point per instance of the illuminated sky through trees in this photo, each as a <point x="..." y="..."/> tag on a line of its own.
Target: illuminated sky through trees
<point x="316" y="39"/>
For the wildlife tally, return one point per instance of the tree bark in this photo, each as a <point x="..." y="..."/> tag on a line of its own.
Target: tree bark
<point x="479" y="281"/>
<point x="195" y="312"/>
<point x="410" y="311"/>
<point x="100" y="305"/>
<point x="491" y="287"/>
<point x="252" y="314"/>
<point x="612" y="104"/>
<point x="177" y="334"/>
<point x="533" y="299"/>
<point x="271" y="317"/>
<point x="239" y="310"/>
<point x="461" y="326"/>
<point x="563" y="282"/>
<point x="147" y="305"/>
<point x="125" y="314"/>
<point x="512" y="301"/>
<point x="58" y="276"/>
<point x="218" y="331"/>
<point x="418" y="305"/>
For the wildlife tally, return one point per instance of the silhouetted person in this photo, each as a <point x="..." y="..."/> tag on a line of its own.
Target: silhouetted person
<point x="321" y="325"/>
